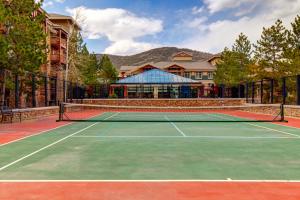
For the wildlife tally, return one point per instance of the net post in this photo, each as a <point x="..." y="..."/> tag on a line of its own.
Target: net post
<point x="61" y="112"/>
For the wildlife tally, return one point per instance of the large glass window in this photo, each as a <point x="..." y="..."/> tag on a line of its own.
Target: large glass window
<point x="187" y="74"/>
<point x="199" y="75"/>
<point x="210" y="75"/>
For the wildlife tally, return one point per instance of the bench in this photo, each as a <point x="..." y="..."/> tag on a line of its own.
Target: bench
<point x="8" y="112"/>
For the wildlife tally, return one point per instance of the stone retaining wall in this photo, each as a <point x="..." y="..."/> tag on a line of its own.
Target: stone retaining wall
<point x="289" y="110"/>
<point x="33" y="113"/>
<point x="164" y="102"/>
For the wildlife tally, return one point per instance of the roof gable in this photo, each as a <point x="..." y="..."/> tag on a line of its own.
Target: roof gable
<point x="156" y="76"/>
<point x="182" y="54"/>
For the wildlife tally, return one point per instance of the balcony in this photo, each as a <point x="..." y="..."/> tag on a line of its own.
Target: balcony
<point x="63" y="59"/>
<point x="57" y="58"/>
<point x="63" y="43"/>
<point x="56" y="41"/>
<point x="2" y="29"/>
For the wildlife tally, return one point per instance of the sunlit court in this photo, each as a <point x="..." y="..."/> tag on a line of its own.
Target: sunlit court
<point x="149" y="100"/>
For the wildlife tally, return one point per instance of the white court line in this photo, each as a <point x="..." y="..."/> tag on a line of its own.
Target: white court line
<point x="158" y="136"/>
<point x="271" y="129"/>
<point x="39" y="133"/>
<point x="174" y="125"/>
<point x="151" y="181"/>
<point x="56" y="142"/>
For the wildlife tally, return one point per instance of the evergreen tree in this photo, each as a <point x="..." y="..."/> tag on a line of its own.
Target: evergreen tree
<point x="23" y="47"/>
<point x="75" y="60"/>
<point x="90" y="69"/>
<point x="107" y="72"/>
<point x="242" y="51"/>
<point x="293" y="50"/>
<point x="270" y="51"/>
<point x="234" y="64"/>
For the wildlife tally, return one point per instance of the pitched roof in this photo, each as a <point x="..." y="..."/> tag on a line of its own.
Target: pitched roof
<point x="54" y="16"/>
<point x="182" y="53"/>
<point x="156" y="76"/>
<point x="188" y="65"/>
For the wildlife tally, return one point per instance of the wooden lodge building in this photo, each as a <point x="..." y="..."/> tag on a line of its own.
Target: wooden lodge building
<point x="50" y="90"/>
<point x="182" y="77"/>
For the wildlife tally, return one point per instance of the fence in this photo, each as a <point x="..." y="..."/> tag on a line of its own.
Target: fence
<point x="268" y="91"/>
<point x="31" y="90"/>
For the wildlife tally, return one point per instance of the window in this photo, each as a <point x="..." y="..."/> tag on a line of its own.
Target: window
<point x="187" y="74"/>
<point x="210" y="75"/>
<point x="199" y="75"/>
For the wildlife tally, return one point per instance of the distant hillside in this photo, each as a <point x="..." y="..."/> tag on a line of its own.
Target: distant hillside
<point x="154" y="55"/>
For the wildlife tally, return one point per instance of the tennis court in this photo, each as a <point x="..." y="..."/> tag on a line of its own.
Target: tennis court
<point x="123" y="145"/>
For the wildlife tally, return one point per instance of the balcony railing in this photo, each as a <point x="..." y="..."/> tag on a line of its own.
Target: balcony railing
<point x="2" y="29"/>
<point x="59" y="42"/>
<point x="56" y="58"/>
<point x="63" y="43"/>
<point x="54" y="41"/>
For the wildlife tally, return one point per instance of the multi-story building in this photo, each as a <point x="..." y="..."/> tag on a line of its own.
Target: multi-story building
<point x="182" y="64"/>
<point x="58" y="29"/>
<point x="199" y="74"/>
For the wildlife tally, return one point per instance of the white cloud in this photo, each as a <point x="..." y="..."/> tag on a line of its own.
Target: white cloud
<point x="219" y="5"/>
<point x="196" y="10"/>
<point x="48" y="4"/>
<point x="119" y="26"/>
<point x="214" y="36"/>
<point x="128" y="47"/>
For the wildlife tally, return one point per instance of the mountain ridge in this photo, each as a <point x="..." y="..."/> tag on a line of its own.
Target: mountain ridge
<point x="154" y="55"/>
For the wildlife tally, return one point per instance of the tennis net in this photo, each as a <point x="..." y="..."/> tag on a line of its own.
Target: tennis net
<point x="109" y="113"/>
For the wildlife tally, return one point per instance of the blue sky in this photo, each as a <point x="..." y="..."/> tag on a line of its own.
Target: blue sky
<point x="126" y="27"/>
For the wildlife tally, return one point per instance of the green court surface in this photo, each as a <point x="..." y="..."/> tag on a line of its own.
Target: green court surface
<point x="156" y="151"/>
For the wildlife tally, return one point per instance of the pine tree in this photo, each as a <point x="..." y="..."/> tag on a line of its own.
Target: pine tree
<point x="270" y="51"/>
<point x="23" y="46"/>
<point x="90" y="68"/>
<point x="233" y="68"/>
<point x="108" y="72"/>
<point x="293" y="50"/>
<point x="226" y="72"/>
<point x="242" y="51"/>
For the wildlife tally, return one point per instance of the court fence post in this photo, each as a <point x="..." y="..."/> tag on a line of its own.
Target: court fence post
<point x="284" y="92"/>
<point x="261" y="91"/>
<point x="46" y="89"/>
<point x="298" y="89"/>
<point x="16" y="91"/>
<point x="272" y="90"/>
<point x="247" y="91"/>
<point x="33" y="91"/>
<point x="252" y="91"/>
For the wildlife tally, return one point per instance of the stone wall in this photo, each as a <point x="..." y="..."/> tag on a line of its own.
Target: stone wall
<point x="36" y="113"/>
<point x="33" y="113"/>
<point x="270" y="109"/>
<point x="164" y="102"/>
